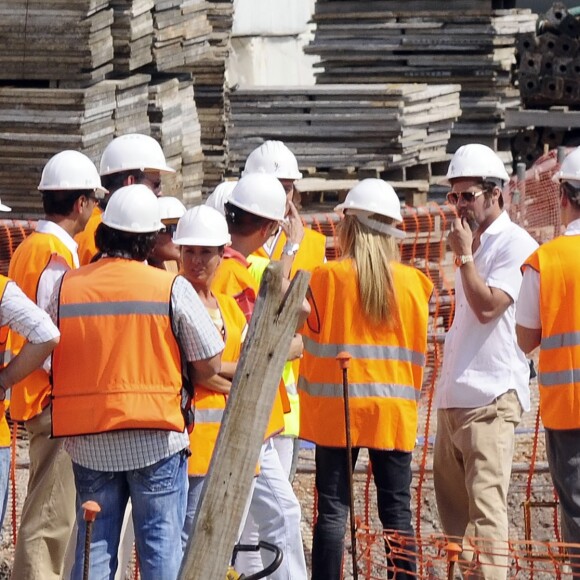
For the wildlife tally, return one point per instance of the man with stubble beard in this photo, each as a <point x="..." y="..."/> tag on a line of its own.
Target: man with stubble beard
<point x="483" y="388"/>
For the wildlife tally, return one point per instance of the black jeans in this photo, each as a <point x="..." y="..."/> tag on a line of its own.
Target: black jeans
<point x="392" y="475"/>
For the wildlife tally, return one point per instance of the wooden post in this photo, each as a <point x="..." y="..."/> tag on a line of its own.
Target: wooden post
<point x="227" y="485"/>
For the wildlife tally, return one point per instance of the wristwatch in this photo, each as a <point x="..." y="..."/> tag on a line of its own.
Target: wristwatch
<point x="290" y="249"/>
<point x="463" y="259"/>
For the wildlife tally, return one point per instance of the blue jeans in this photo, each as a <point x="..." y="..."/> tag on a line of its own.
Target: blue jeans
<point x="4" y="481"/>
<point x="193" y="495"/>
<point x="392" y="475"/>
<point x="158" y="494"/>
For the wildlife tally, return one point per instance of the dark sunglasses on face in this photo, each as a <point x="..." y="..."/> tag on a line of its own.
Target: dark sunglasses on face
<point x="466" y="196"/>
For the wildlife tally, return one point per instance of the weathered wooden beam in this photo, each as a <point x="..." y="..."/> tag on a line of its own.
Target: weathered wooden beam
<point x="228" y="482"/>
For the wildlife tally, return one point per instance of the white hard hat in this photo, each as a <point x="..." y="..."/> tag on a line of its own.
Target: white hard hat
<point x="202" y="226"/>
<point x="131" y="152"/>
<point x="261" y="195"/>
<point x="570" y="168"/>
<point x="476" y="160"/>
<point x="220" y="195"/>
<point x="373" y="196"/>
<point x="170" y="208"/>
<point x="133" y="208"/>
<point x="68" y="171"/>
<point x="273" y="158"/>
<point x="4" y="207"/>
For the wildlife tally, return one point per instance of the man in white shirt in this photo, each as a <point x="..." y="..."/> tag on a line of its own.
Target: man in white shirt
<point x="548" y="316"/>
<point x="70" y="187"/>
<point x="483" y="387"/>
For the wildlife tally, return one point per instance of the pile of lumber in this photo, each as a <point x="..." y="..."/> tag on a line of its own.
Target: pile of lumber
<point x="210" y="91"/>
<point x="35" y="123"/>
<point x="336" y="130"/>
<point x="65" y="40"/>
<point x="131" y="103"/>
<point x="132" y="34"/>
<point x="387" y="42"/>
<point x="550" y="61"/>
<point x="174" y="124"/>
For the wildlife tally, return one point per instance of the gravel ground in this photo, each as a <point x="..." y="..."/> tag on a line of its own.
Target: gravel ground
<point x="428" y="522"/>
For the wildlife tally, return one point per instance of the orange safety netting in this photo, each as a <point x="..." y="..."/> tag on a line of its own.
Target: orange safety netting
<point x="533" y="203"/>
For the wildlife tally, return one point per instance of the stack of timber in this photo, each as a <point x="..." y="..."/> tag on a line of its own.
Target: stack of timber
<point x="210" y="91"/>
<point x="174" y="124"/>
<point x="550" y="61"/>
<point x="337" y="130"/>
<point x="422" y="41"/>
<point x="63" y="40"/>
<point x="132" y="34"/>
<point x="131" y="104"/>
<point x="35" y="123"/>
<point x="181" y="33"/>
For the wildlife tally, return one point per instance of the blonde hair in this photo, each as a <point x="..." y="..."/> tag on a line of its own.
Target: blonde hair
<point x="372" y="253"/>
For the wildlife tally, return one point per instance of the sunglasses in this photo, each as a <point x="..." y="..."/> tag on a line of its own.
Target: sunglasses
<point x="466" y="196"/>
<point x="169" y="229"/>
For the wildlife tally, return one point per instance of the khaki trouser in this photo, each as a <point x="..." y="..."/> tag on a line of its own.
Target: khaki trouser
<point x="472" y="468"/>
<point x="49" y="508"/>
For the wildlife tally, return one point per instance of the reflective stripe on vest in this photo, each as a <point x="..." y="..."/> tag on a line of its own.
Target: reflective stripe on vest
<point x="366" y="351"/>
<point x="357" y="390"/>
<point x="114" y="309"/>
<point x="567" y="377"/>
<point x="208" y="416"/>
<point x="29" y="261"/>
<point x="561" y="340"/>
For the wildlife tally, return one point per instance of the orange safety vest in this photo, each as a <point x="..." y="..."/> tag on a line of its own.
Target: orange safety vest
<point x="5" y="356"/>
<point x="310" y="255"/>
<point x="31" y="258"/>
<point x="208" y="405"/>
<point x="115" y="323"/>
<point x="559" y="363"/>
<point x="234" y="279"/>
<point x="386" y="370"/>
<point x="86" y="239"/>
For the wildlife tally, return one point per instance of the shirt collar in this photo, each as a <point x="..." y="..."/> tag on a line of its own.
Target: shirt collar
<point x="498" y="225"/>
<point x="48" y="227"/>
<point x="573" y="228"/>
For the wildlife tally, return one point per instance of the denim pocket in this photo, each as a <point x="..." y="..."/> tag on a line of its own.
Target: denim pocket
<point x="89" y="480"/>
<point x="161" y="475"/>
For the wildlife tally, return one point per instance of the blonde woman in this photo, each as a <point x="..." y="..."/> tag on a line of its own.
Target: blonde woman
<point x="370" y="305"/>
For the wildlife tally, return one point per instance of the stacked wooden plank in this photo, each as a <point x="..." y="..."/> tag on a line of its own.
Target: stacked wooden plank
<point x="175" y="125"/>
<point x="335" y="130"/>
<point x="36" y="123"/>
<point x="64" y="40"/>
<point x="181" y="33"/>
<point x="386" y="41"/>
<point x="131" y="104"/>
<point x="210" y="93"/>
<point x="132" y="34"/>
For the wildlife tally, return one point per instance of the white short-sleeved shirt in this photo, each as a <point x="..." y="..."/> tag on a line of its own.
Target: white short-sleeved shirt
<point x="483" y="361"/>
<point x="55" y="270"/>
<point x="528" y="308"/>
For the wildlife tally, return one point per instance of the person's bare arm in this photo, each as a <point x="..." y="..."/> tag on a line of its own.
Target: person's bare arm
<point x="528" y="338"/>
<point x="203" y="369"/>
<point x="218" y="384"/>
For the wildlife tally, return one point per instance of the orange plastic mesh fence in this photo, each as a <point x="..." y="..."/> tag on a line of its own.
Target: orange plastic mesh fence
<point x="533" y="202"/>
<point x="438" y="557"/>
<point x="12" y="232"/>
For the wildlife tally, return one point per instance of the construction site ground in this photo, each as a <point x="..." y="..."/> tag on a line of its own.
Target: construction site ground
<point x="428" y="523"/>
